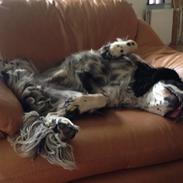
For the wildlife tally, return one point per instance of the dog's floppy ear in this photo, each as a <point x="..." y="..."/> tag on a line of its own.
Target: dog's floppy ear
<point x="143" y="79"/>
<point x="146" y="76"/>
<point x="166" y="74"/>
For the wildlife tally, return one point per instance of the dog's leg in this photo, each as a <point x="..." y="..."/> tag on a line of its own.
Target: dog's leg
<point x="19" y="76"/>
<point x="81" y="104"/>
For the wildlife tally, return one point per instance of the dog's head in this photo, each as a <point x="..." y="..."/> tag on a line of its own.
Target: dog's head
<point x="159" y="90"/>
<point x="166" y="99"/>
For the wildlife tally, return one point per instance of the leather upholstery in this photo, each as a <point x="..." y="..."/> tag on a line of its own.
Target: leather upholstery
<point x="10" y="111"/>
<point x="164" y="173"/>
<point x="46" y="31"/>
<point x="118" y="140"/>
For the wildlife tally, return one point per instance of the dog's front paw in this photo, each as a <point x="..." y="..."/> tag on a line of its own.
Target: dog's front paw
<point x="122" y="47"/>
<point x="86" y="103"/>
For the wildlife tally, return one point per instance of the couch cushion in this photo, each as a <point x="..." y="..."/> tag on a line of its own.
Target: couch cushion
<point x="45" y="31"/>
<point x="146" y="37"/>
<point x="163" y="173"/>
<point x="10" y="111"/>
<point x="116" y="140"/>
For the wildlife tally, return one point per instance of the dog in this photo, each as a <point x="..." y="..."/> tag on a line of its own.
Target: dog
<point x="110" y="77"/>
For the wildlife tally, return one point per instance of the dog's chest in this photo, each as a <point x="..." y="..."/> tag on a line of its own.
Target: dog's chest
<point x="118" y="89"/>
<point x="121" y="72"/>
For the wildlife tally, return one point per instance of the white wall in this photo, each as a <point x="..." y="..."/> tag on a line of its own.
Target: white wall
<point x="160" y="21"/>
<point x="139" y="6"/>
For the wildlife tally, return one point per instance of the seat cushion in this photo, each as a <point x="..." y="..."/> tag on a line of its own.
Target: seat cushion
<point x="164" y="173"/>
<point x="113" y="141"/>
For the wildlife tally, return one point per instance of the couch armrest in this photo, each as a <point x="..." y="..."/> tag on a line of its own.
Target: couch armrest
<point x="10" y="111"/>
<point x="146" y="36"/>
<point x="154" y="52"/>
<point x="166" y="57"/>
<point x="147" y="40"/>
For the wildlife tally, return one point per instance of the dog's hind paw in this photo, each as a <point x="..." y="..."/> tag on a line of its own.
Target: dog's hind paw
<point x="117" y="49"/>
<point x="121" y="47"/>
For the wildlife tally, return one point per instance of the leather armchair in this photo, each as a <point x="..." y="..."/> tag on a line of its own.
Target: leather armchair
<point x="121" y="145"/>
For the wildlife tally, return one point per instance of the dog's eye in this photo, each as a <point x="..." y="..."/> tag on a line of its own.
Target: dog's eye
<point x="170" y="90"/>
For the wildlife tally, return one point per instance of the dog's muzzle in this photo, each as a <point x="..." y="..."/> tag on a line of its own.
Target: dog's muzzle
<point x="175" y="104"/>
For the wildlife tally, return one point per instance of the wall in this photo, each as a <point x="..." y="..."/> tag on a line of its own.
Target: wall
<point x="139" y="6"/>
<point x="161" y="21"/>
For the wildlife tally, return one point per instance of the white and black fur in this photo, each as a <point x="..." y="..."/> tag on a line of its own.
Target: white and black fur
<point x="109" y="77"/>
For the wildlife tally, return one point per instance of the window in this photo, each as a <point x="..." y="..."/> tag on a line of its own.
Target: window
<point x="155" y="2"/>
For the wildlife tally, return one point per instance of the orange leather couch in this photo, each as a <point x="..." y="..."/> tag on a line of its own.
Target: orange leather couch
<point x="127" y="146"/>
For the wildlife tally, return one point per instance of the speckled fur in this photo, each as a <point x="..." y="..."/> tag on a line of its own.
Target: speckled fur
<point x="111" y="76"/>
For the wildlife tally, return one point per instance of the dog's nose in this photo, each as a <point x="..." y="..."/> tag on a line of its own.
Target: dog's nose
<point x="173" y="101"/>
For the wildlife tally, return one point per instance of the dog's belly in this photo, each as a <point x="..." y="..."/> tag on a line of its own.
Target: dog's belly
<point x="118" y="89"/>
<point x="92" y="75"/>
<point x="119" y="96"/>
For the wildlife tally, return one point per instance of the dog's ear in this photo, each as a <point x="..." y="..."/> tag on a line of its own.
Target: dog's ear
<point x="142" y="86"/>
<point x="143" y="79"/>
<point x="146" y="76"/>
<point x="166" y="74"/>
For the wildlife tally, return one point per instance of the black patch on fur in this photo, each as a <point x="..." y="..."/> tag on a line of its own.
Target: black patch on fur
<point x="5" y="76"/>
<point x="72" y="115"/>
<point x="146" y="76"/>
<point x="85" y="78"/>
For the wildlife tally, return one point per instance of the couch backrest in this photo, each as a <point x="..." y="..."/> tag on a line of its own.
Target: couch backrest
<point x="48" y="30"/>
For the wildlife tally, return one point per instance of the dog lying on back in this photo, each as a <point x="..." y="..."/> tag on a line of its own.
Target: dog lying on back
<point x="111" y="76"/>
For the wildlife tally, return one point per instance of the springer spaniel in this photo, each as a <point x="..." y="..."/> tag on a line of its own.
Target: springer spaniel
<point x="111" y="76"/>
